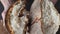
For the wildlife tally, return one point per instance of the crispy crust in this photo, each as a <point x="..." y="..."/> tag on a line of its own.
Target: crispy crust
<point x="47" y="23"/>
<point x="22" y="19"/>
<point x="7" y="18"/>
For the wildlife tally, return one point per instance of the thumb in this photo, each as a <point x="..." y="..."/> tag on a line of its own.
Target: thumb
<point x="3" y="15"/>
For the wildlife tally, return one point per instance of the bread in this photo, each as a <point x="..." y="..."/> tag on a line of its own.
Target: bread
<point x="48" y="16"/>
<point x="16" y="18"/>
<point x="44" y="18"/>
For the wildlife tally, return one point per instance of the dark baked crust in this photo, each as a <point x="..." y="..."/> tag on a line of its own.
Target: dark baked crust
<point x="46" y="17"/>
<point x="7" y="18"/>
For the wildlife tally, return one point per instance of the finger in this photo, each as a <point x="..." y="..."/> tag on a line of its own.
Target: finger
<point x="3" y="15"/>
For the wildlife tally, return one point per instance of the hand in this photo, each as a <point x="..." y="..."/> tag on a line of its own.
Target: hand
<point x="6" y="4"/>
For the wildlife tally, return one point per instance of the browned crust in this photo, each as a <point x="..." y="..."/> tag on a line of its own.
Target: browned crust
<point x="7" y="18"/>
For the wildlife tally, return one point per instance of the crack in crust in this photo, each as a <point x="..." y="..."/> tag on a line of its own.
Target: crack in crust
<point x="44" y="19"/>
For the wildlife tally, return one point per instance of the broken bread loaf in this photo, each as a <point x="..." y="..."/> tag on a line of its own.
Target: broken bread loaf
<point x="42" y="18"/>
<point x="16" y="18"/>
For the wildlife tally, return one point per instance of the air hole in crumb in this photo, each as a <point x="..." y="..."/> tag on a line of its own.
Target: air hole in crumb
<point x="20" y="15"/>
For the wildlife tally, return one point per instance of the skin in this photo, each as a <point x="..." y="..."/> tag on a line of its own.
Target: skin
<point x="6" y="5"/>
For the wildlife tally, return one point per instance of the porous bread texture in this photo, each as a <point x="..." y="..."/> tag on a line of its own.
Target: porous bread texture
<point x="17" y="24"/>
<point x="47" y="22"/>
<point x="35" y="14"/>
<point x="50" y="19"/>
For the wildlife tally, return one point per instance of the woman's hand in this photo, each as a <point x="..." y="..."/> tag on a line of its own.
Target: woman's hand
<point x="6" y="4"/>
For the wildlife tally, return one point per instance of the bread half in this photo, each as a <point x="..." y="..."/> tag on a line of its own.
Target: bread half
<point x="16" y="18"/>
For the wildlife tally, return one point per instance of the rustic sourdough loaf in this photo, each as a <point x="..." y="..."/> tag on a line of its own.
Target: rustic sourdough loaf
<point x="44" y="18"/>
<point x="16" y="18"/>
